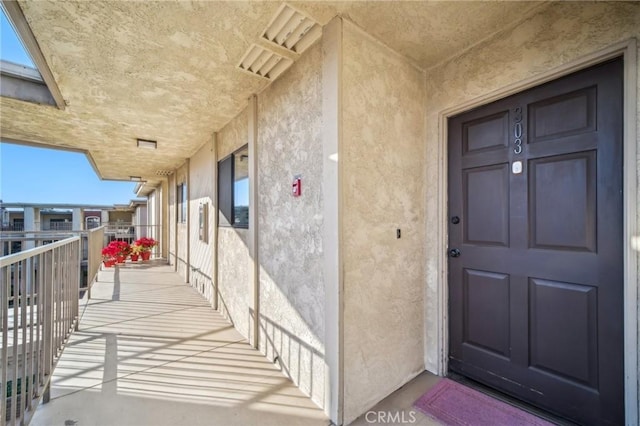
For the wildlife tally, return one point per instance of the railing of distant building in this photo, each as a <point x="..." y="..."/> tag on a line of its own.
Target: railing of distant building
<point x="38" y="311"/>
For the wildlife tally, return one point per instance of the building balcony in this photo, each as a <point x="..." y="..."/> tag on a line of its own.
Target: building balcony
<point x="13" y="227"/>
<point x="150" y="350"/>
<point x="57" y="226"/>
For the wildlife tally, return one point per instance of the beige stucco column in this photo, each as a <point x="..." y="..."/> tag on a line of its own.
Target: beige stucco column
<point x="163" y="218"/>
<point x="77" y="222"/>
<point x="31" y="223"/>
<point x="331" y="138"/>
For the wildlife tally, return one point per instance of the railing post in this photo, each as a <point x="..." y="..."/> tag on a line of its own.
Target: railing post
<point x="4" y="302"/>
<point x="14" y="382"/>
<point x="76" y="291"/>
<point x="48" y="321"/>
<point x="30" y="382"/>
<point x="22" y="306"/>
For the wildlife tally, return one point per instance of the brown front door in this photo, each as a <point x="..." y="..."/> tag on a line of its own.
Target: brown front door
<point x="535" y="245"/>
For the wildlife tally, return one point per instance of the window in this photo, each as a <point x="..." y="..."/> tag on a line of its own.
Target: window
<point x="233" y="189"/>
<point x="181" y="194"/>
<point x="18" y="224"/>
<point x="92" y="222"/>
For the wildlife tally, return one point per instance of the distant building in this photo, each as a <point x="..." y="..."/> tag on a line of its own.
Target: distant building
<point x="67" y="217"/>
<point x="22" y="220"/>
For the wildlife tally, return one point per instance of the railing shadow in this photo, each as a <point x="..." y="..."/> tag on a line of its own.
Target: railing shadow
<point x="296" y="358"/>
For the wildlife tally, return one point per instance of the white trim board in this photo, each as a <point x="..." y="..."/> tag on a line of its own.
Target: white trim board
<point x="628" y="50"/>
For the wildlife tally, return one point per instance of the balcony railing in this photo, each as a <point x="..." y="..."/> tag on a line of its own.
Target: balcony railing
<point x="13" y="227"/>
<point x="95" y="242"/>
<point x="14" y="242"/>
<point x="57" y="226"/>
<point x="38" y="311"/>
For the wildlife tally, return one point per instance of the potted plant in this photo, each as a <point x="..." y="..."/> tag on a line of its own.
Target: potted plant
<point x="109" y="256"/>
<point x="146" y="245"/>
<point x="122" y="250"/>
<point x="136" y="250"/>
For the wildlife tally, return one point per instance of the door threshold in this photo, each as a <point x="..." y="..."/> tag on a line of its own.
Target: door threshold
<point x="545" y="415"/>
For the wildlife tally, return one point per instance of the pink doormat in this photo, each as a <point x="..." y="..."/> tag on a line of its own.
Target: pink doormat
<point x="456" y="405"/>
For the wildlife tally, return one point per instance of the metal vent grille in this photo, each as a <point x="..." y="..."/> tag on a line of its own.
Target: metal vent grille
<point x="163" y="172"/>
<point x="292" y="30"/>
<point x="263" y="62"/>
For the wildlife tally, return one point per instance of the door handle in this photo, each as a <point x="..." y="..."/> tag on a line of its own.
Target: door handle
<point x="454" y="253"/>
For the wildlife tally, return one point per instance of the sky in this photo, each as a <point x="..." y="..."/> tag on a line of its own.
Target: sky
<point x="11" y="47"/>
<point x="38" y="175"/>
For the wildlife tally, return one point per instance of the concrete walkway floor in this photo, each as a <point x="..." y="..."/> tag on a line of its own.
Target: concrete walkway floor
<point x="150" y="351"/>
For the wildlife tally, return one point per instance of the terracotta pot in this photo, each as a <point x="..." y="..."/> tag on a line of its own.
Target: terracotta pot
<point x="134" y="257"/>
<point x="109" y="263"/>
<point x="120" y="259"/>
<point x="146" y="255"/>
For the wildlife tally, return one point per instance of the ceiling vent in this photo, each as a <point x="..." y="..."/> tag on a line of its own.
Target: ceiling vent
<point x="263" y="62"/>
<point x="292" y="30"/>
<point x="163" y="172"/>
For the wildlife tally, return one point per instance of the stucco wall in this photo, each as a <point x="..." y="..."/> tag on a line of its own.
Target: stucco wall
<point x="382" y="191"/>
<point x="559" y="34"/>
<point x="140" y="217"/>
<point x="290" y="228"/>
<point x="233" y="253"/>
<point x="201" y="181"/>
<point x="45" y="219"/>
<point x="115" y="216"/>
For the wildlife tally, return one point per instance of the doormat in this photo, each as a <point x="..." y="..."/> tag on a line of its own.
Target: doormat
<point x="457" y="405"/>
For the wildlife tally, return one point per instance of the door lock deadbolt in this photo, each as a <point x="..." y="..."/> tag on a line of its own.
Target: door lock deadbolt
<point x="455" y="220"/>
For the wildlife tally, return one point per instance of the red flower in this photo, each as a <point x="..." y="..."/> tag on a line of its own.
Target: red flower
<point x="117" y="248"/>
<point x="109" y="252"/>
<point x="145" y="242"/>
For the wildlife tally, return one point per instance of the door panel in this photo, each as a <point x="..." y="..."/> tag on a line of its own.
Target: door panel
<point x="548" y="119"/>
<point x="486" y="191"/>
<point x="565" y="344"/>
<point x="563" y="187"/>
<point x="487" y="133"/>
<point x="535" y="297"/>
<point x="486" y="311"/>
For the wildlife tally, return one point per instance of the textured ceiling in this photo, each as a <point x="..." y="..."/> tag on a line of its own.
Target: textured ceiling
<point x="166" y="70"/>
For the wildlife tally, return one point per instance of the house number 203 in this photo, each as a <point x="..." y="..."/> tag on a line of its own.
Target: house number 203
<point x="517" y="130"/>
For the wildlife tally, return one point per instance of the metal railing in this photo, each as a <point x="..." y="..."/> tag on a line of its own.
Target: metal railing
<point x="13" y="227"/>
<point x="38" y="311"/>
<point x="15" y="242"/>
<point x="95" y="242"/>
<point x="57" y="226"/>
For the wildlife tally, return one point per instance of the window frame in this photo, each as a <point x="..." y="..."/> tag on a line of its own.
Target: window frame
<point x="181" y="203"/>
<point x="228" y="204"/>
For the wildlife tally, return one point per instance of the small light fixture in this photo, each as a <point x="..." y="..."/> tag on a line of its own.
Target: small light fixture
<point x="135" y="178"/>
<point x="146" y="143"/>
